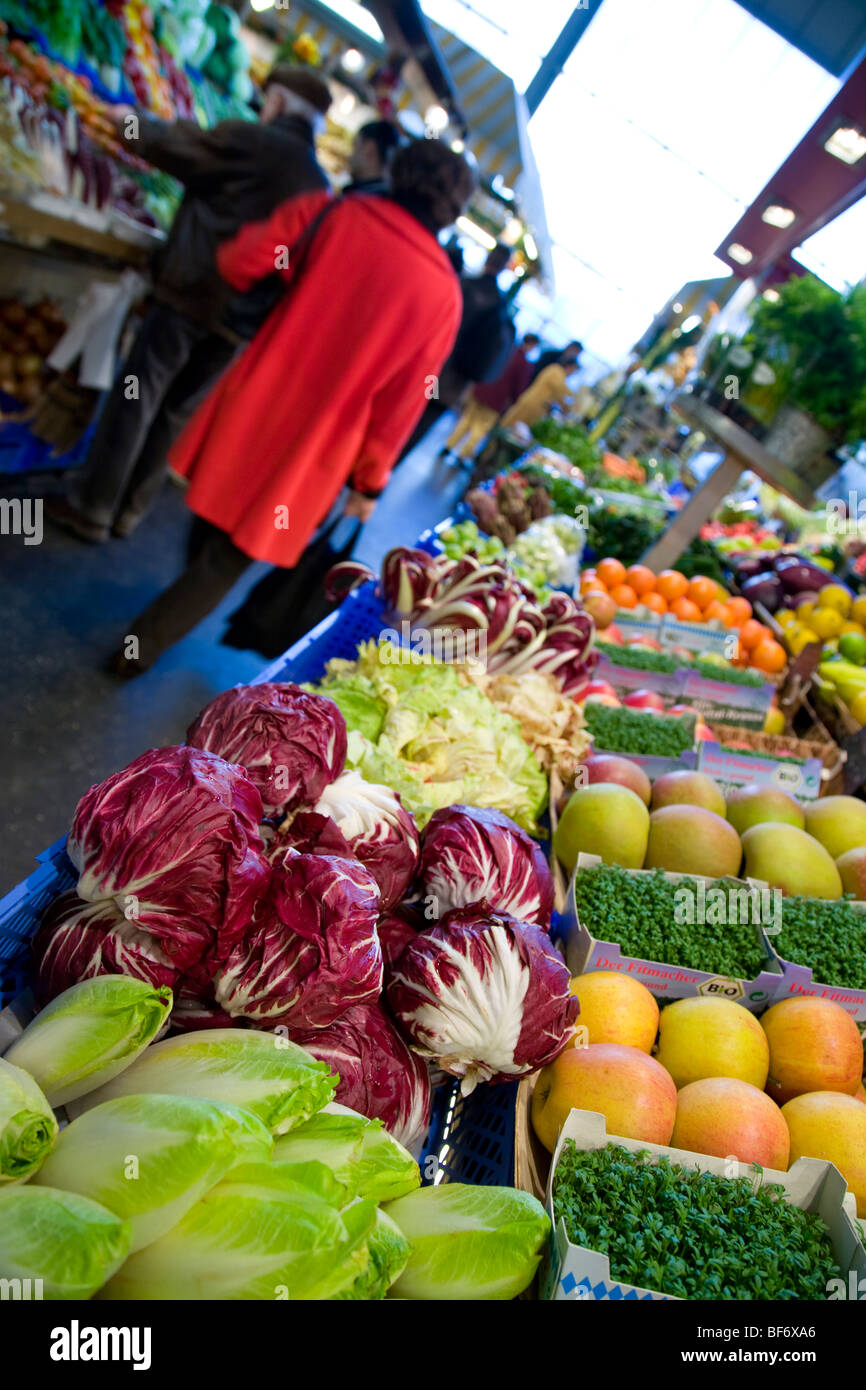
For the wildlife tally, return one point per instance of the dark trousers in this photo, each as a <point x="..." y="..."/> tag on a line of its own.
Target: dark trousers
<point x="214" y="564"/>
<point x="175" y="362"/>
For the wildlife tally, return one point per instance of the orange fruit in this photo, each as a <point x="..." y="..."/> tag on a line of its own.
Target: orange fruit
<point x="671" y="584"/>
<point x="624" y="596"/>
<point x="769" y="656"/>
<point x="611" y="572"/>
<point x="715" y="611"/>
<point x="728" y="618"/>
<point x="686" y="610"/>
<point x="654" y="602"/>
<point x="751" y="633"/>
<point x="702" y="591"/>
<point x="591" y="581"/>
<point x="740" y="609"/>
<point x="641" y="579"/>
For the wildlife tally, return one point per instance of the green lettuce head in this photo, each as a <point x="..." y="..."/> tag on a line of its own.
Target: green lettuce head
<point x="27" y="1125"/>
<point x="259" y="1071"/>
<point x="469" y="1242"/>
<point x="66" y="1245"/>
<point x="149" y="1158"/>
<point x="269" y="1231"/>
<point x="89" y="1033"/>
<point x="388" y="1251"/>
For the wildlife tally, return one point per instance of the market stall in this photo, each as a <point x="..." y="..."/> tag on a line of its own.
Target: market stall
<point x="468" y="775"/>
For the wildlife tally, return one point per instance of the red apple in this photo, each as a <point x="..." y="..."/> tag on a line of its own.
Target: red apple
<point x="729" y="1118"/>
<point x="613" y="634"/>
<point x="644" y="699"/>
<point x="814" y="1046"/>
<point x="631" y="1089"/>
<point x="599" y="688"/>
<point x="607" y="767"/>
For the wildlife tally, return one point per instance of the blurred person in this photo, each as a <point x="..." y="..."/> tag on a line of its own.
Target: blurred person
<point x="234" y="174"/>
<point x="330" y="387"/>
<point x="487" y="400"/>
<point x="372" y="151"/>
<point x="569" y="356"/>
<point x="547" y="390"/>
<point x="485" y="338"/>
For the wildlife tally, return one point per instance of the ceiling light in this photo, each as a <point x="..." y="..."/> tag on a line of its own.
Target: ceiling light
<point x="530" y="247"/>
<point x="458" y="146"/>
<point x="260" y="5"/>
<point x="777" y="215"/>
<point x="691" y="322"/>
<point x="353" y="60"/>
<point x="741" y="254"/>
<point x="436" y="118"/>
<point x="847" y="143"/>
<point x="677" y="307"/>
<point x="772" y="296"/>
<point x="477" y="233"/>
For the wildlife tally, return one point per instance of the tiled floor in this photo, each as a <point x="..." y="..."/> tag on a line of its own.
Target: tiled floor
<point x="66" y="723"/>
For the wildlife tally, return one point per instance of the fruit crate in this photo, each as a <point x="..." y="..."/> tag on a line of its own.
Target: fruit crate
<point x="471" y="1138"/>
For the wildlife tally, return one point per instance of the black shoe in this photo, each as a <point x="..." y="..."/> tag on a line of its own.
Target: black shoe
<point x="63" y="514"/>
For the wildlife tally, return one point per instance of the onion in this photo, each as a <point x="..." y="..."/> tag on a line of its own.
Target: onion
<point x="765" y="589"/>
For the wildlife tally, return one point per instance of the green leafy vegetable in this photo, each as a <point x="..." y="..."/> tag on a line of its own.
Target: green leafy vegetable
<point x="828" y="936"/>
<point x="441" y="741"/>
<point x="360" y="1153"/>
<point x="621" y="730"/>
<point x="27" y="1125"/>
<point x="389" y="1252"/>
<point x="150" y="1158"/>
<point x="262" y="1072"/>
<point x="70" y="1244"/>
<point x="89" y="1033"/>
<point x="690" y="1234"/>
<point x="639" y="658"/>
<point x="469" y="1242"/>
<point x="640" y="912"/>
<point x="269" y="1231"/>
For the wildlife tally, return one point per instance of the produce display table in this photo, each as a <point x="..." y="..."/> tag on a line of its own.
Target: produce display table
<point x="44" y="217"/>
<point x="742" y="453"/>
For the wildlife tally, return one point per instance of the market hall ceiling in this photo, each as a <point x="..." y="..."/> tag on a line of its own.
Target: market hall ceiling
<point x="830" y="32"/>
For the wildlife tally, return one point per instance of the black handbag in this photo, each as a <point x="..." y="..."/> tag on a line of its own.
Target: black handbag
<point x="286" y="603"/>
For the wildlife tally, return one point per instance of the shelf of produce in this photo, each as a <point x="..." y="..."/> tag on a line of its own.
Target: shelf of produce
<point x="742" y="453"/>
<point x="45" y="216"/>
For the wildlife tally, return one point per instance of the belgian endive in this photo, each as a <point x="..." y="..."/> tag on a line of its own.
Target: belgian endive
<point x="150" y="1158"/>
<point x="59" y="1245"/>
<point x="89" y="1033"/>
<point x="27" y="1124"/>
<point x="268" y="1231"/>
<point x="262" y="1072"/>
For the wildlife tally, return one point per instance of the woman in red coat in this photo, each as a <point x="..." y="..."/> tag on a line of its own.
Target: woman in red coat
<point x="329" y="389"/>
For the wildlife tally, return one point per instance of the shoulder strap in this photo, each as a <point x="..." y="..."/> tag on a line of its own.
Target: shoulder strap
<point x="299" y="252"/>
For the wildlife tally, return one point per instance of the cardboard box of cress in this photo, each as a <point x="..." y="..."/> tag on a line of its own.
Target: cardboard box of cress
<point x="575" y="1273"/>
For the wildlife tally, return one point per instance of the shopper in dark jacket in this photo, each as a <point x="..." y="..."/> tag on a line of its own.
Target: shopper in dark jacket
<point x="372" y="150"/>
<point x="565" y="357"/>
<point x="234" y="174"/>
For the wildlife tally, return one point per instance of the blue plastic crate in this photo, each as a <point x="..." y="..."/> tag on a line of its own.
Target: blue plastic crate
<point x="358" y="619"/>
<point x="471" y="1138"/>
<point x="20" y="911"/>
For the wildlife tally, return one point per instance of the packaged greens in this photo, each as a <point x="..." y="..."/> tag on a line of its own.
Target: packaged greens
<point x="688" y="1233"/>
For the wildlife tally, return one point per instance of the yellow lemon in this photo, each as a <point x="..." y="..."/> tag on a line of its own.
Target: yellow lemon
<point x="835" y="597"/>
<point x="858" y="611"/>
<point x="774" y="721"/>
<point x="801" y="639"/>
<point x="858" y="707"/>
<point x="848" y="626"/>
<point x="785" y="616"/>
<point x="827" y="622"/>
<point x="805" y="610"/>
